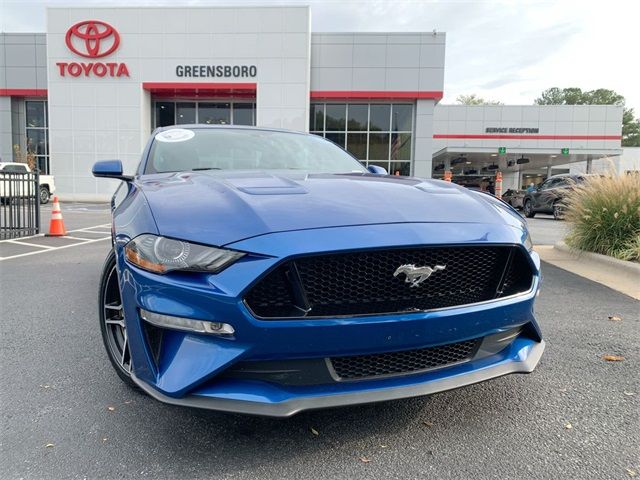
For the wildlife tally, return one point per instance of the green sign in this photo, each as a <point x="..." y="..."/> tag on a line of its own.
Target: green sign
<point x="502" y="150"/>
<point x="564" y="151"/>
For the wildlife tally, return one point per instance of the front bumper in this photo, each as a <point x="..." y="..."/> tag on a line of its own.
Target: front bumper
<point x="522" y="357"/>
<point x="191" y="369"/>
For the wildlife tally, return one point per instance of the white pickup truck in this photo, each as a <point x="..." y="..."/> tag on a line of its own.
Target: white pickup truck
<point x="47" y="184"/>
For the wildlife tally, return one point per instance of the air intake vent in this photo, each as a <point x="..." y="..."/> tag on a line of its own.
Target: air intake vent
<point x="398" y="363"/>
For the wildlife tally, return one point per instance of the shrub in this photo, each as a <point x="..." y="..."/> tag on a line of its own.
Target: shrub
<point x="604" y="216"/>
<point x="631" y="250"/>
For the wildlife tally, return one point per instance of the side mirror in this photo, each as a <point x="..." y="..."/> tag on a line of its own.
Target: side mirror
<point x="110" y="169"/>
<point x="376" y="170"/>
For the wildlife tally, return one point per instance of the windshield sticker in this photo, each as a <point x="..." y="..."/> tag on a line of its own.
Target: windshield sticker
<point x="175" y="135"/>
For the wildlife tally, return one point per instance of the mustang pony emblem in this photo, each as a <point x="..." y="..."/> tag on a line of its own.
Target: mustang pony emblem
<point x="416" y="275"/>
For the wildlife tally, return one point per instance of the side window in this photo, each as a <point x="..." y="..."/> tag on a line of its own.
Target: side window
<point x="546" y="185"/>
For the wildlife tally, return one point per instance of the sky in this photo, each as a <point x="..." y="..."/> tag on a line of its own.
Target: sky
<point x="508" y="51"/>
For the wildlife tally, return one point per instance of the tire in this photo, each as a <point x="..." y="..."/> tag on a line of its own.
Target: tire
<point x="558" y="212"/>
<point x="112" y="322"/>
<point x="44" y="195"/>
<point x="528" y="209"/>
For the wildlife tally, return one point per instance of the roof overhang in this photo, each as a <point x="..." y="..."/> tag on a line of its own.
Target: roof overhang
<point x="374" y="95"/>
<point x="201" y="89"/>
<point x="538" y="157"/>
<point x="23" y="92"/>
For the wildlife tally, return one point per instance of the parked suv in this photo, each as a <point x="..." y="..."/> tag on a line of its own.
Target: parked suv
<point x="548" y="196"/>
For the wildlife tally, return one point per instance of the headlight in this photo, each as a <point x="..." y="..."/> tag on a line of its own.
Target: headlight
<point x="162" y="255"/>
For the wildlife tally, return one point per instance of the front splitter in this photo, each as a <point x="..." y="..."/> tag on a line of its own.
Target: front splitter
<point x="287" y="408"/>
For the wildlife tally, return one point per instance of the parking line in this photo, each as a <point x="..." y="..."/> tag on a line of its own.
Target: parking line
<point x="78" y="238"/>
<point x="17" y="242"/>
<point x="53" y="249"/>
<point x="92" y="230"/>
<point x="102" y="225"/>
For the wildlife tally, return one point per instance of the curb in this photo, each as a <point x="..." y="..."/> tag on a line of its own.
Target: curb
<point x="630" y="267"/>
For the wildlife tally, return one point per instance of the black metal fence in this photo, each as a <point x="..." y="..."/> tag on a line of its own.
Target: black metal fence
<point x="19" y="204"/>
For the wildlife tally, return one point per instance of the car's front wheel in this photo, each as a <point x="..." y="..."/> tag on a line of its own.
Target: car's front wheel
<point x="112" y="322"/>
<point x="528" y="209"/>
<point x="558" y="212"/>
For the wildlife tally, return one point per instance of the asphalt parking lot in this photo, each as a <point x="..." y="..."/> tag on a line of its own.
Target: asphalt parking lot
<point x="65" y="413"/>
<point x="545" y="230"/>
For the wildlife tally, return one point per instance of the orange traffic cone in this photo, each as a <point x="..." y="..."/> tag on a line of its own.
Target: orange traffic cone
<point x="56" y="226"/>
<point x="498" y="187"/>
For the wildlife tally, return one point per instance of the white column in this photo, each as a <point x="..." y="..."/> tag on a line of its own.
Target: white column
<point x="589" y="165"/>
<point x="6" y="141"/>
<point x="510" y="180"/>
<point x="423" y="133"/>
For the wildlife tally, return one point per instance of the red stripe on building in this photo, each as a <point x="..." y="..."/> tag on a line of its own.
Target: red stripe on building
<point x="23" y="92"/>
<point x="373" y="95"/>
<point x="526" y="137"/>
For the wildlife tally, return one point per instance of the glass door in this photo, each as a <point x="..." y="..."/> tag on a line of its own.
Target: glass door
<point x="167" y="113"/>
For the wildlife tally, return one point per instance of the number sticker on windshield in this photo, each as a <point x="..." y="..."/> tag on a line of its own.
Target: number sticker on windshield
<point x="175" y="135"/>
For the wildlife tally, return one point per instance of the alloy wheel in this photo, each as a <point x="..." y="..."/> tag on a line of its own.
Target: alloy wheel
<point x="44" y="195"/>
<point x="116" y="331"/>
<point x="557" y="211"/>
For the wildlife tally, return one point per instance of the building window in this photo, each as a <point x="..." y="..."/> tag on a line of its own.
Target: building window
<point x="185" y="113"/>
<point x="37" y="125"/>
<point x="244" y="114"/>
<point x="374" y="133"/>
<point x="212" y="113"/>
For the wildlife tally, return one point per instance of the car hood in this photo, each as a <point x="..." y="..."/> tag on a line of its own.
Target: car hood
<point x="218" y="208"/>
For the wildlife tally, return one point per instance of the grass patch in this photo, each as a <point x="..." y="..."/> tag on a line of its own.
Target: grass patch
<point x="604" y="216"/>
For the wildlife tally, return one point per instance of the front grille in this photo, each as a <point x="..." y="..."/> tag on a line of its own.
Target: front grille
<point x="518" y="276"/>
<point x="396" y="363"/>
<point x="363" y="283"/>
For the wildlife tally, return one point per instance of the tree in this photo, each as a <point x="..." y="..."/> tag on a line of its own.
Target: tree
<point x="600" y="96"/>
<point x="630" y="129"/>
<point x="473" y="99"/>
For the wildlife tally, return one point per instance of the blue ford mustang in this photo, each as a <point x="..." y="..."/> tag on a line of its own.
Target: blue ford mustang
<point x="268" y="272"/>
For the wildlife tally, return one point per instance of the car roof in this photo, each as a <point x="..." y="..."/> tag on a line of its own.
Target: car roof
<point x="204" y="126"/>
<point x="570" y="175"/>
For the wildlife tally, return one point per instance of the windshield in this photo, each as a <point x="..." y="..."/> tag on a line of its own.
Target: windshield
<point x="183" y="149"/>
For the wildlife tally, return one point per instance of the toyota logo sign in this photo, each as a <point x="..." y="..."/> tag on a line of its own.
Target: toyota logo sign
<point x="92" y="39"/>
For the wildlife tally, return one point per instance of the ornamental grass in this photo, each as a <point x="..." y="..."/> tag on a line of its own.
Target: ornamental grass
<point x="604" y="215"/>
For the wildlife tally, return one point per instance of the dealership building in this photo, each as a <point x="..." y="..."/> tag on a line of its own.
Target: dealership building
<point x="100" y="80"/>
